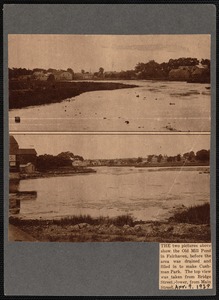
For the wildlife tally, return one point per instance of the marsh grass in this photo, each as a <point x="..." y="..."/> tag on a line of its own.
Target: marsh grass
<point x="74" y="220"/>
<point x="198" y="214"/>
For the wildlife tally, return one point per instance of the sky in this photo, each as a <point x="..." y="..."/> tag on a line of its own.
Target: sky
<point x="110" y="146"/>
<point x="90" y="52"/>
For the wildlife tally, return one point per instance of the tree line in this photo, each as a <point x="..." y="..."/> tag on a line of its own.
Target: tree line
<point x="52" y="162"/>
<point x="65" y="159"/>
<point x="148" y="70"/>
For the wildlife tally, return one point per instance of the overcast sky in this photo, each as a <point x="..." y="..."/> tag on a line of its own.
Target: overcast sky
<point x="112" y="52"/>
<point x="114" y="146"/>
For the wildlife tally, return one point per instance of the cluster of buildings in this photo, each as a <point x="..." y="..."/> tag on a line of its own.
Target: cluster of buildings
<point x="21" y="160"/>
<point x="44" y="76"/>
<point x="59" y="75"/>
<point x="150" y="159"/>
<point x="188" y="72"/>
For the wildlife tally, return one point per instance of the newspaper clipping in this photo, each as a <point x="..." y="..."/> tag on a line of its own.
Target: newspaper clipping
<point x="185" y="266"/>
<point x="110" y="142"/>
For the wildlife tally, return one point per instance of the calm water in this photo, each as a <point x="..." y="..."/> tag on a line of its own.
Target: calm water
<point x="153" y="106"/>
<point x="147" y="194"/>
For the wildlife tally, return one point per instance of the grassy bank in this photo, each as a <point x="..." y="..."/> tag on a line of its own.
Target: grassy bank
<point x="57" y="172"/>
<point x="30" y="93"/>
<point x="199" y="214"/>
<point x="190" y="225"/>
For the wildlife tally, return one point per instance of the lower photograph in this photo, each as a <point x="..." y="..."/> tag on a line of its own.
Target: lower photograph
<point x="109" y="188"/>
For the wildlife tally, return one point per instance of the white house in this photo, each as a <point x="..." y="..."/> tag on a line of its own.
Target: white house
<point x="79" y="163"/>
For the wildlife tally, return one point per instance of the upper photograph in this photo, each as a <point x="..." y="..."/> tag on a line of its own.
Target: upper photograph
<point x="109" y="83"/>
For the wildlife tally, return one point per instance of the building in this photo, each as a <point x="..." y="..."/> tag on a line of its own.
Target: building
<point x="21" y="160"/>
<point x="88" y="76"/>
<point x="183" y="74"/>
<point x="78" y="76"/>
<point x="13" y="149"/>
<point x="27" y="168"/>
<point x="79" y="163"/>
<point x="25" y="156"/>
<point x="154" y="159"/>
<point x="40" y="76"/>
<point x="63" y="75"/>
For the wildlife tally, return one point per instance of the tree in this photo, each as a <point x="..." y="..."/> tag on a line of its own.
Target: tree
<point x="183" y="61"/>
<point x="171" y="158"/>
<point x="203" y="155"/>
<point x="51" y="78"/>
<point x="189" y="155"/>
<point x="160" y="157"/>
<point x="50" y="162"/>
<point x="39" y="70"/>
<point x="150" y="158"/>
<point x="152" y="69"/>
<point x="139" y="159"/>
<point x="70" y="71"/>
<point x="101" y="70"/>
<point x="82" y="71"/>
<point x="178" y="157"/>
<point x="206" y="62"/>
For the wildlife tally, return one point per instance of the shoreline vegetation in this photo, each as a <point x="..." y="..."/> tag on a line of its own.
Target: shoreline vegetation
<point x="84" y="170"/>
<point x="30" y="93"/>
<point x="57" y="172"/>
<point x="41" y="86"/>
<point x="186" y="224"/>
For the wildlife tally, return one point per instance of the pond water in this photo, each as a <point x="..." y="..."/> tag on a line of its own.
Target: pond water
<point x="153" y="106"/>
<point x="145" y="193"/>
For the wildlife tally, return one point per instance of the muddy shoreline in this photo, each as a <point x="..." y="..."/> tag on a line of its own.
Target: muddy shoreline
<point x="148" y="232"/>
<point x="119" y="229"/>
<point x="32" y="93"/>
<point x="57" y="173"/>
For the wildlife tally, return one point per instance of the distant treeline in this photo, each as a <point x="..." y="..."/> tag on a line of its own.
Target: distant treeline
<point x="148" y="70"/>
<point x="65" y="159"/>
<point x="201" y="156"/>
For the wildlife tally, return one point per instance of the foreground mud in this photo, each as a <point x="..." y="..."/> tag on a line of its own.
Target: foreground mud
<point x="148" y="232"/>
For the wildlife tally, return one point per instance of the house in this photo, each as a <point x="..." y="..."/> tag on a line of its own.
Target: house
<point x="164" y="158"/>
<point x="183" y="74"/>
<point x="154" y="159"/>
<point x="39" y="75"/>
<point x="199" y="72"/>
<point x="88" y="76"/>
<point x="63" y="75"/>
<point x="27" y="168"/>
<point x="21" y="159"/>
<point x="25" y="156"/>
<point x="13" y="145"/>
<point x="79" y="163"/>
<point x="78" y="76"/>
<point x="111" y="74"/>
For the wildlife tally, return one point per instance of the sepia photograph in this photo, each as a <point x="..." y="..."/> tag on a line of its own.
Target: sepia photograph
<point x="110" y="83"/>
<point x="109" y="149"/>
<point x="109" y="188"/>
